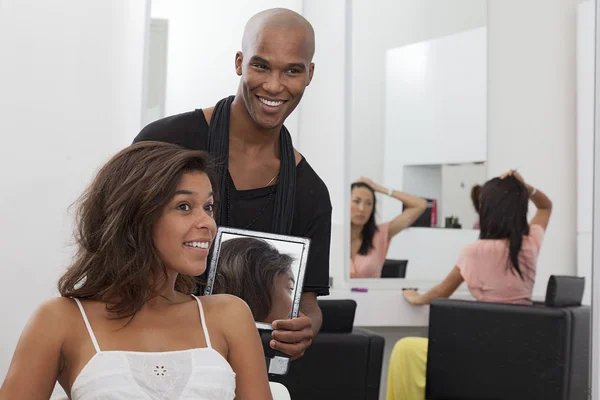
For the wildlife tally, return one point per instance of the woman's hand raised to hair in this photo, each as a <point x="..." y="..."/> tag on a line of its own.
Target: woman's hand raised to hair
<point x="517" y="176"/>
<point x="514" y="174"/>
<point x="374" y="186"/>
<point x="540" y="200"/>
<point x="366" y="180"/>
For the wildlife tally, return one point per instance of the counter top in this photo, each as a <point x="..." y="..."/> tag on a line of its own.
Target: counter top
<point x="388" y="308"/>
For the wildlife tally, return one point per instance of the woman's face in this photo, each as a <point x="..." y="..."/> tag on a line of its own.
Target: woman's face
<point x="281" y="297"/>
<point x="185" y="230"/>
<point x="361" y="207"/>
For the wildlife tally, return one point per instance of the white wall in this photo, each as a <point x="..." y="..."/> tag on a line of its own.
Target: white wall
<point x="204" y="37"/>
<point x="379" y="25"/>
<point x="71" y="79"/>
<point x="532" y="116"/>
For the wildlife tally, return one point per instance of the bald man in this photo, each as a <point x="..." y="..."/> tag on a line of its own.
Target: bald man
<point x="265" y="184"/>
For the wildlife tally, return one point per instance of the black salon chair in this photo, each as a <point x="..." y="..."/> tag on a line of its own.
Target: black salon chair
<point x="488" y="351"/>
<point x="342" y="363"/>
<point x="394" y="268"/>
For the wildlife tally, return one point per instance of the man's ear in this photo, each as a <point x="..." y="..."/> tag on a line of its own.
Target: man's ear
<point x="311" y="71"/>
<point x="239" y="59"/>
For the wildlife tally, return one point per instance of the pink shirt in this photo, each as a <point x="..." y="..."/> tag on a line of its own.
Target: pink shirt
<point x="484" y="267"/>
<point x="370" y="265"/>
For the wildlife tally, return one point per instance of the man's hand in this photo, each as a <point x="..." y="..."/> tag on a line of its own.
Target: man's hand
<point x="292" y="336"/>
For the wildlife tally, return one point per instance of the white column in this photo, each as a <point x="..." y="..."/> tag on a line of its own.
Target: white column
<point x="322" y="118"/>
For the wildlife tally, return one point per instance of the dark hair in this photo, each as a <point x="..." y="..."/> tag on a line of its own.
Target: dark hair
<point x="247" y="268"/>
<point x="370" y="227"/>
<point x="476" y="197"/>
<point x="116" y="261"/>
<point x="503" y="215"/>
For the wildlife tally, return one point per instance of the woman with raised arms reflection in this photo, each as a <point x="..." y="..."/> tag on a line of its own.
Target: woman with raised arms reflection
<point x="369" y="242"/>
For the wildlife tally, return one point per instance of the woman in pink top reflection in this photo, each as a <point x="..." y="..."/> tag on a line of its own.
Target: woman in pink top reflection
<point x="499" y="267"/>
<point x="369" y="242"/>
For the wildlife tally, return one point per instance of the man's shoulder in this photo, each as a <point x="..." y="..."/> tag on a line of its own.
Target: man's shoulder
<point x="311" y="188"/>
<point x="187" y="120"/>
<point x="187" y="129"/>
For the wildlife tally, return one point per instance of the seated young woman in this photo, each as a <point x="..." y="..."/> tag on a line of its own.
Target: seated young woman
<point x="499" y="267"/>
<point x="127" y="325"/>
<point x="369" y="242"/>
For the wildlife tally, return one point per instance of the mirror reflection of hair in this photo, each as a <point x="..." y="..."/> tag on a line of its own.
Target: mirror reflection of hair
<point x="255" y="271"/>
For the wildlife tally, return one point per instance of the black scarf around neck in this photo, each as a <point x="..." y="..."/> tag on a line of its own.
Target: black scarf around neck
<point x="218" y="147"/>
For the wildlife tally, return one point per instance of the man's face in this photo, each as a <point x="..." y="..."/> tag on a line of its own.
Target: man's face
<point x="275" y="69"/>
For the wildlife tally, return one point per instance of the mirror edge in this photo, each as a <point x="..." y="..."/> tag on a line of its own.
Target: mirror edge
<point x="595" y="326"/>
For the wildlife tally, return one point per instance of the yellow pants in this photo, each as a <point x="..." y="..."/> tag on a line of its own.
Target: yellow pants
<point x="407" y="371"/>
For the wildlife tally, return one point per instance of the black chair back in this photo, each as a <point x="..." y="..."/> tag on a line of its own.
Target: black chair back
<point x="490" y="351"/>
<point x="394" y="268"/>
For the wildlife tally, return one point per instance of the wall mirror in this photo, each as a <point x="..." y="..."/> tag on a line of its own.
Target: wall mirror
<point x="419" y="127"/>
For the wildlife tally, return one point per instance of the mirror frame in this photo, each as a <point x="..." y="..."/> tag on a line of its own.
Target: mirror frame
<point x="595" y="328"/>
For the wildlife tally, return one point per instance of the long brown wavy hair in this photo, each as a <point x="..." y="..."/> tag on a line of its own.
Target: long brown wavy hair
<point x="116" y="261"/>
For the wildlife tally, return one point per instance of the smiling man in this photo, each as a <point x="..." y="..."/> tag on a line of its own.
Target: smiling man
<point x="265" y="184"/>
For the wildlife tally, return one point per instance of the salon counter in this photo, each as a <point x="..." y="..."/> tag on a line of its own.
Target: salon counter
<point x="388" y="308"/>
<point x="384" y="308"/>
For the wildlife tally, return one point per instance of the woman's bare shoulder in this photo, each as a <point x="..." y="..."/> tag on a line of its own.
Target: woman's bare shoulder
<point x="54" y="316"/>
<point x="224" y="304"/>
<point x="230" y="315"/>
<point x="59" y="308"/>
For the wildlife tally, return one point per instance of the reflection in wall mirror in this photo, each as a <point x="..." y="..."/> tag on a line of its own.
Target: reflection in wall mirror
<point x="452" y="192"/>
<point x="430" y="139"/>
<point x="265" y="270"/>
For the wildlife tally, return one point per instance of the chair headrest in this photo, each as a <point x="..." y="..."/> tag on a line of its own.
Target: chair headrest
<point x="338" y="315"/>
<point x="564" y="291"/>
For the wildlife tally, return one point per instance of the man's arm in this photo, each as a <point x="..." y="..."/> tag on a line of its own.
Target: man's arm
<point x="311" y="309"/>
<point x="294" y="336"/>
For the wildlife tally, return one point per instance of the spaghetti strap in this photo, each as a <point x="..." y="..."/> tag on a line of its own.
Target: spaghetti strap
<point x="87" y="325"/>
<point x="206" y="336"/>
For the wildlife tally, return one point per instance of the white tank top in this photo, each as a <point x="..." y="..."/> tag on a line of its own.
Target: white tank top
<point x="198" y="374"/>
